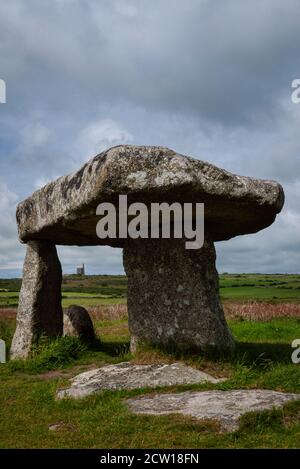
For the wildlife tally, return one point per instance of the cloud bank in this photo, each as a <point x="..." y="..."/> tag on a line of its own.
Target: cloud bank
<point x="209" y="80"/>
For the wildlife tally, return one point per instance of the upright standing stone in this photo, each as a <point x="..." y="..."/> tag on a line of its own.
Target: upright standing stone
<point x="173" y="295"/>
<point x="40" y="311"/>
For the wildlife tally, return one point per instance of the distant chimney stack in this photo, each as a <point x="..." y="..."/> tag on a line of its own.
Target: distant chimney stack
<point x="80" y="270"/>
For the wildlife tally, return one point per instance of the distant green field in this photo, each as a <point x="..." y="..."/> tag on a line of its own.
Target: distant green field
<point x="260" y="287"/>
<point x="108" y="289"/>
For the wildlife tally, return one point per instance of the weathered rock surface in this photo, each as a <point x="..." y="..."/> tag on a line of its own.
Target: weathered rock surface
<point x="130" y="376"/>
<point x="77" y="323"/>
<point x="173" y="292"/>
<point x="173" y="295"/>
<point x="226" y="407"/>
<point x="39" y="311"/>
<point x="65" y="210"/>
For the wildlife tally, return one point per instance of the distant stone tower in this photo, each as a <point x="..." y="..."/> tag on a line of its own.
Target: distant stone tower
<point x="80" y="270"/>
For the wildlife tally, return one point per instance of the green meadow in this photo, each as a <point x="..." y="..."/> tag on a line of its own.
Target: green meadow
<point x="105" y="289"/>
<point x="262" y="359"/>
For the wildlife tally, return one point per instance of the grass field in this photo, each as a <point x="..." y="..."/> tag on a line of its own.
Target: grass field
<point x="105" y="289"/>
<point x="262" y="325"/>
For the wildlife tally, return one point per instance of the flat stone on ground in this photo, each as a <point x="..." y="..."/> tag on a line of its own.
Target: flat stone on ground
<point x="130" y="376"/>
<point x="226" y="407"/>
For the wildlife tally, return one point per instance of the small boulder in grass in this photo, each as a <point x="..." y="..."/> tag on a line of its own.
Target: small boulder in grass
<point x="77" y="323"/>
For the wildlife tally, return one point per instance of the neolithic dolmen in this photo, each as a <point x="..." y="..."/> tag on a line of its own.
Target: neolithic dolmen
<point x="173" y="292"/>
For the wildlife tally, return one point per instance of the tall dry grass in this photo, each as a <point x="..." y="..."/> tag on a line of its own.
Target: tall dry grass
<point x="109" y="312"/>
<point x="252" y="310"/>
<point x="8" y="313"/>
<point x="256" y="311"/>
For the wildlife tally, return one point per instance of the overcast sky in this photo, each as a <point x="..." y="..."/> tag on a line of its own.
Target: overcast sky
<point x="210" y="79"/>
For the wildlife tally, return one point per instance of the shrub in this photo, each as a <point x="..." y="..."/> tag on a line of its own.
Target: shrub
<point x="51" y="355"/>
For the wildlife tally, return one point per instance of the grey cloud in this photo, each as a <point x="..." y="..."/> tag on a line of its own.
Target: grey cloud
<point x="207" y="79"/>
<point x="227" y="63"/>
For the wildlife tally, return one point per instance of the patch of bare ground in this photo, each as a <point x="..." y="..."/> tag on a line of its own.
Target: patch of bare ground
<point x="69" y="373"/>
<point x="62" y="426"/>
